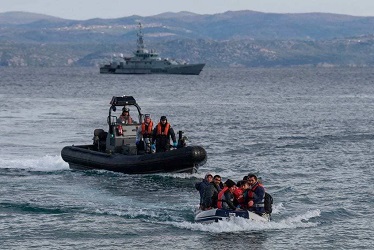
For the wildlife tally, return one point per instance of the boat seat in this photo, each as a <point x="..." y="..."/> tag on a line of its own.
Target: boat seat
<point x="125" y="141"/>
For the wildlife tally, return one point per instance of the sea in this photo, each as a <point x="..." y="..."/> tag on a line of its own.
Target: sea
<point x="308" y="133"/>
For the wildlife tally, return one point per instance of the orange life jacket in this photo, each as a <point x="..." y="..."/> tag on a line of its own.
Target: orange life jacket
<point x="149" y="129"/>
<point x="166" y="130"/>
<point x="221" y="197"/>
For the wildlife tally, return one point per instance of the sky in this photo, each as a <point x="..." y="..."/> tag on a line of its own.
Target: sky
<point x="87" y="9"/>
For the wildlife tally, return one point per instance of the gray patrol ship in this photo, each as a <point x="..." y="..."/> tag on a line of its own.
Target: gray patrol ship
<point x="149" y="62"/>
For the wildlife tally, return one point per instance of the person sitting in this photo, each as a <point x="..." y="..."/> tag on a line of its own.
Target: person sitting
<point x="254" y="196"/>
<point x="226" y="196"/>
<point x="125" y="117"/>
<point x="210" y="196"/>
<point x="201" y="186"/>
<point x="144" y="134"/>
<point x="161" y="135"/>
<point x="239" y="200"/>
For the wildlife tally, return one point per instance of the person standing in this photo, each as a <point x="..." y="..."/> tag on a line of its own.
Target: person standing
<point x="162" y="134"/>
<point x="125" y="117"/>
<point x="144" y="134"/>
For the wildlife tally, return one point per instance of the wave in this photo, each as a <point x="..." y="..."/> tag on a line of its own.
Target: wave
<point x="238" y="224"/>
<point x="45" y="163"/>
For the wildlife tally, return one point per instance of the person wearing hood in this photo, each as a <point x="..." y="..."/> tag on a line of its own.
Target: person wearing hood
<point x="210" y="196"/>
<point x="162" y="134"/>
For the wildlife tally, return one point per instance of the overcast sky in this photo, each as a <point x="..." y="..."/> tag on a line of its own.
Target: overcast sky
<point x="86" y="9"/>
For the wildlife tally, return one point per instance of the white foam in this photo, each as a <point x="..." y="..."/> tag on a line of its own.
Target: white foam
<point x="238" y="224"/>
<point x="45" y="163"/>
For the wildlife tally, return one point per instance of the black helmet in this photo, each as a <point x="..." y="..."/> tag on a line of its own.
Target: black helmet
<point x="163" y="118"/>
<point x="125" y="109"/>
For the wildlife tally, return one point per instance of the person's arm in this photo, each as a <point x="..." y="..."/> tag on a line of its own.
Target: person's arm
<point x="154" y="135"/>
<point x="228" y="198"/>
<point x="172" y="134"/>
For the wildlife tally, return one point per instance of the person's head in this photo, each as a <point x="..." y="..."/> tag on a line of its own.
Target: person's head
<point x="252" y="179"/>
<point x="231" y="185"/>
<point x="217" y="179"/>
<point x="208" y="177"/>
<point x="163" y="119"/>
<point x="147" y="118"/>
<point x="125" y="111"/>
<point x="244" y="185"/>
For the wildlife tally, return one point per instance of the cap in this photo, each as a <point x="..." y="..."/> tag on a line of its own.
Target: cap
<point x="125" y="109"/>
<point x="163" y="118"/>
<point x="147" y="116"/>
<point x="229" y="183"/>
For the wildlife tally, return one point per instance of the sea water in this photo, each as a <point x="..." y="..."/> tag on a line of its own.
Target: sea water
<point x="307" y="132"/>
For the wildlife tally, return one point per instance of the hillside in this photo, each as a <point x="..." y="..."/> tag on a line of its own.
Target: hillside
<point x="230" y="39"/>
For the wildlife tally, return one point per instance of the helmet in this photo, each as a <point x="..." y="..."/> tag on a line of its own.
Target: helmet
<point x="163" y="118"/>
<point x="125" y="109"/>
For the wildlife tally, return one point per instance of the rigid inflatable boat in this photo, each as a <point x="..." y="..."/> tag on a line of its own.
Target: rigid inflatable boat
<point x="117" y="151"/>
<point x="215" y="215"/>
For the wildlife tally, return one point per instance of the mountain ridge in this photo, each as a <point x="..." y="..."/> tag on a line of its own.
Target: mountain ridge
<point x="229" y="39"/>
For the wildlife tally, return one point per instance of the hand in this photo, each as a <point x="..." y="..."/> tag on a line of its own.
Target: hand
<point x="250" y="204"/>
<point x="175" y="144"/>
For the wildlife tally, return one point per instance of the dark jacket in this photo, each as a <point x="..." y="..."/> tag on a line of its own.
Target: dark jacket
<point x="201" y="186"/>
<point x="210" y="196"/>
<point x="163" y="141"/>
<point x="228" y="200"/>
<point x="257" y="194"/>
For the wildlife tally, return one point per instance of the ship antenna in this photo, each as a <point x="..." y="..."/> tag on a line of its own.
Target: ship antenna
<point x="140" y="43"/>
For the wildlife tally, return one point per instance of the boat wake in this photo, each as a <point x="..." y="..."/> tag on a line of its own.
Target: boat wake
<point x="45" y="163"/>
<point x="238" y="224"/>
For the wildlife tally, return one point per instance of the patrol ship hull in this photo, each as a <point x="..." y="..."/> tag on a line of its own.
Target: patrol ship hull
<point x="188" y="69"/>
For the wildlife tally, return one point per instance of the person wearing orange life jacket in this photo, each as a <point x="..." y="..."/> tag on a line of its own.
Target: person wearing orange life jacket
<point x="239" y="199"/>
<point x="161" y="135"/>
<point x="255" y="195"/>
<point x="226" y="196"/>
<point x="144" y="134"/>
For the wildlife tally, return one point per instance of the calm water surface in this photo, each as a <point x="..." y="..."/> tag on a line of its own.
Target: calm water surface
<point x="308" y="133"/>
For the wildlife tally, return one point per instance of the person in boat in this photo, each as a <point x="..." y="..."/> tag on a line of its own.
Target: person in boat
<point x="239" y="200"/>
<point x="144" y="134"/>
<point x="201" y="186"/>
<point x="162" y="134"/>
<point x="226" y="196"/>
<point x="125" y="117"/>
<point x="255" y="195"/>
<point x="210" y="195"/>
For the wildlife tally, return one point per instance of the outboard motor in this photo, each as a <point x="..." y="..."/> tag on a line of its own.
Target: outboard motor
<point x="181" y="139"/>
